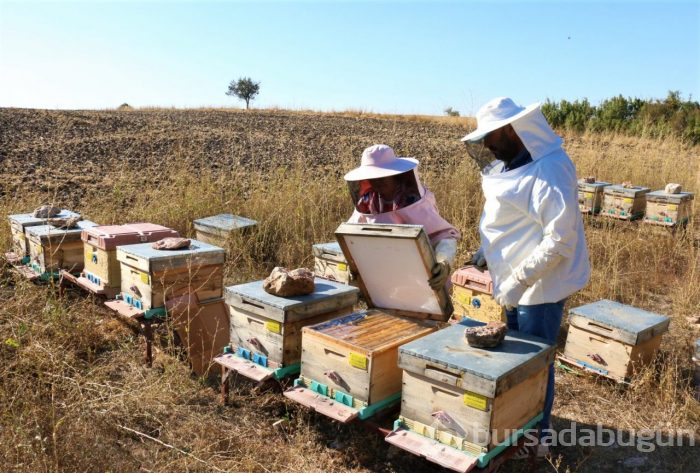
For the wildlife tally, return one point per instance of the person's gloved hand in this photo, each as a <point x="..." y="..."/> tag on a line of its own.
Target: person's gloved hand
<point x="440" y="273"/>
<point x="478" y="259"/>
<point x="509" y="292"/>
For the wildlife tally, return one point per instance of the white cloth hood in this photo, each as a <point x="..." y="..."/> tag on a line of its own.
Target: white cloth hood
<point x="536" y="134"/>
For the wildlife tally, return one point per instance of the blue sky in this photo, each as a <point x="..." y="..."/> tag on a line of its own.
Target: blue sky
<point x="393" y="57"/>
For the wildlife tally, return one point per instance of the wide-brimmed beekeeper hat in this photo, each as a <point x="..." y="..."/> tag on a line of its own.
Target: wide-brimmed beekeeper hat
<point x="495" y="114"/>
<point x="380" y="161"/>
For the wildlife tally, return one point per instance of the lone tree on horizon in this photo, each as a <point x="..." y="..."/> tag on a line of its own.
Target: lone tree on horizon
<point x="245" y="89"/>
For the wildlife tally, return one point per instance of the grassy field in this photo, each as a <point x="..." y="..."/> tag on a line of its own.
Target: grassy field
<point x="75" y="395"/>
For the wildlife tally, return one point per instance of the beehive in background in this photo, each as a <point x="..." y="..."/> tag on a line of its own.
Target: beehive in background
<point x="102" y="272"/>
<point x="613" y="339"/>
<point x="18" y="225"/>
<point x="590" y="196"/>
<point x="472" y="296"/>
<point x="467" y="398"/>
<point x="625" y="203"/>
<point x="52" y="249"/>
<point x="348" y="364"/>
<point x="330" y="263"/>
<point x="150" y="277"/>
<point x="668" y="209"/>
<point x="216" y="230"/>
<point x="266" y="329"/>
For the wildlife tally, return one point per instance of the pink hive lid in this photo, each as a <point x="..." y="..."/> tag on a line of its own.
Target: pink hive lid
<point x="473" y="278"/>
<point x="108" y="237"/>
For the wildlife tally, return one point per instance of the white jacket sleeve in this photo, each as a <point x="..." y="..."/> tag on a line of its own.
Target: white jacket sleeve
<point x="554" y="205"/>
<point x="445" y="250"/>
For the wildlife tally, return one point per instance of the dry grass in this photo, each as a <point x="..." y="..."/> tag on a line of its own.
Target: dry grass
<point x="73" y="387"/>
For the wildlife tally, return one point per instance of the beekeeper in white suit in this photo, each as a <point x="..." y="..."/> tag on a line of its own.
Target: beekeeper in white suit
<point x="385" y="188"/>
<point x="531" y="229"/>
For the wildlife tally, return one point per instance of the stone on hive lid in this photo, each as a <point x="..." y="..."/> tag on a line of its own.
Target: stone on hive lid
<point x="46" y="211"/>
<point x="171" y="243"/>
<point x="627" y="185"/>
<point x="488" y="336"/>
<point x="589" y="179"/>
<point x="285" y="283"/>
<point x="64" y="223"/>
<point x="672" y="188"/>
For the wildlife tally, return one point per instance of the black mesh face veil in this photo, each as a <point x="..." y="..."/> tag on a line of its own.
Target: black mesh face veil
<point x="480" y="154"/>
<point x="365" y="196"/>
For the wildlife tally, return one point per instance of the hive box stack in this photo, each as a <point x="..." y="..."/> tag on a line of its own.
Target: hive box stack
<point x="330" y="263"/>
<point x="470" y="400"/>
<point x="150" y="277"/>
<point x="349" y="364"/>
<point x="613" y="339"/>
<point x="590" y="196"/>
<point x="102" y="272"/>
<point x="266" y="329"/>
<point x="668" y="209"/>
<point x="53" y="249"/>
<point x="18" y="226"/>
<point x="216" y="230"/>
<point x="472" y="296"/>
<point x="625" y="203"/>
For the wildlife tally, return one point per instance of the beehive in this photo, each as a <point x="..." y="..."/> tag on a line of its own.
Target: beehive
<point x="470" y="399"/>
<point x="668" y="209"/>
<point x="613" y="339"/>
<point x="348" y="365"/>
<point x="150" y="277"/>
<point x="590" y="196"/>
<point x="217" y="229"/>
<point x="52" y="249"/>
<point x="266" y="329"/>
<point x="625" y="203"/>
<point x="330" y="263"/>
<point x="18" y="225"/>
<point x="102" y="272"/>
<point x="472" y="296"/>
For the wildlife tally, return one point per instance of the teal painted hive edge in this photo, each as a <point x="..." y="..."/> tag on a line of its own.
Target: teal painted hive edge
<point x="285" y="371"/>
<point x="484" y="458"/>
<point x="367" y="411"/>
<point x="46" y="275"/>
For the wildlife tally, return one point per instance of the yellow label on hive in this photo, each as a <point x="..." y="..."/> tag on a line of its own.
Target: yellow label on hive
<point x="477" y="401"/>
<point x="144" y="278"/>
<point x="273" y="326"/>
<point x="358" y="361"/>
<point x="628" y="200"/>
<point x="342" y="266"/>
<point x="672" y="207"/>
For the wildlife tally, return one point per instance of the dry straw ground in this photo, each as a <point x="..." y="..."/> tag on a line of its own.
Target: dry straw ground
<point x="75" y="395"/>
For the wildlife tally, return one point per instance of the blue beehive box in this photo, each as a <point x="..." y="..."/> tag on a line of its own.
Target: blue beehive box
<point x="613" y="339"/>
<point x="217" y="229"/>
<point x="266" y="329"/>
<point x="455" y="394"/>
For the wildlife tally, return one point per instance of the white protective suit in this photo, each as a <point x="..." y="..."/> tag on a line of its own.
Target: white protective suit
<point x="531" y="228"/>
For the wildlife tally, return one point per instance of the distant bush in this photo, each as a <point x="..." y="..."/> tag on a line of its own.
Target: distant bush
<point x="450" y="112"/>
<point x="671" y="116"/>
<point x="125" y="106"/>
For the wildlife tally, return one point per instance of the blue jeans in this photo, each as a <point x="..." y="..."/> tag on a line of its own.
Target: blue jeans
<point x="541" y="320"/>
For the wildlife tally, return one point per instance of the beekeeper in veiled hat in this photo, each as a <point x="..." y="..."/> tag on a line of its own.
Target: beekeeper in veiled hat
<point x="531" y="229"/>
<point x="386" y="188"/>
